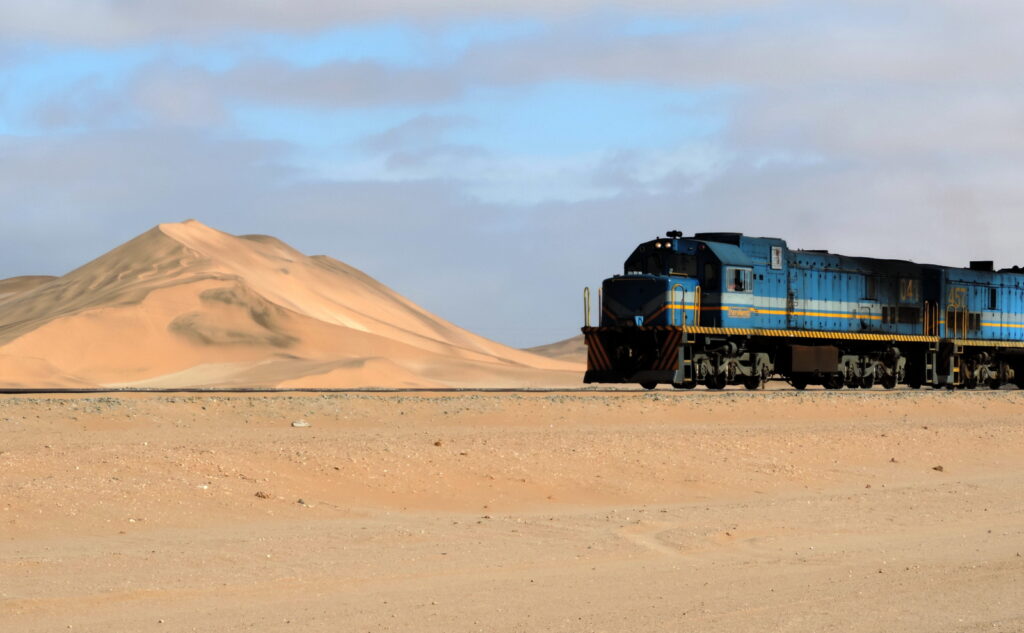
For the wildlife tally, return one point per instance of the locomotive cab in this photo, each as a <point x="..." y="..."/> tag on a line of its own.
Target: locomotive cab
<point x="672" y="288"/>
<point x="659" y="286"/>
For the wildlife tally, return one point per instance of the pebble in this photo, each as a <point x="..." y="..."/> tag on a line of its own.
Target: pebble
<point x="301" y="424"/>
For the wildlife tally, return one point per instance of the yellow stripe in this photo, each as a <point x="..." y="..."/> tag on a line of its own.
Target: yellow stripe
<point x="982" y="343"/>
<point x="804" y="334"/>
<point x="834" y="315"/>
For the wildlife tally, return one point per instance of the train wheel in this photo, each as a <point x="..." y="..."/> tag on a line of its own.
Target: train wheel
<point x="715" y="381"/>
<point x="994" y="384"/>
<point x="798" y="383"/>
<point x="867" y="382"/>
<point x="889" y="382"/>
<point x="753" y="383"/>
<point x="649" y="385"/>
<point x="684" y="385"/>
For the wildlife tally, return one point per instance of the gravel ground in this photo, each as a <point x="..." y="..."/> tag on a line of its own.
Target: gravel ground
<point x="575" y="511"/>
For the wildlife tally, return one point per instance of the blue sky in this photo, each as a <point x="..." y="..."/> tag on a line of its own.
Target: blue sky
<point x="526" y="146"/>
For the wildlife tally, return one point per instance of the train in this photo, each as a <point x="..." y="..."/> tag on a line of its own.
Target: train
<point x="720" y="309"/>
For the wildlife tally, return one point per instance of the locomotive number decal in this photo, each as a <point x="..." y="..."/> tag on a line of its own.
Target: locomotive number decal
<point x="957" y="297"/>
<point x="908" y="290"/>
<point x="740" y="313"/>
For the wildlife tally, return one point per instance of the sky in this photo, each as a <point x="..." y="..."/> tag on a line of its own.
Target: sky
<point x="490" y="159"/>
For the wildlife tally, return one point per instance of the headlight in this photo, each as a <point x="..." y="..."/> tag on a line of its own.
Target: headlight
<point x="668" y="244"/>
<point x="657" y="245"/>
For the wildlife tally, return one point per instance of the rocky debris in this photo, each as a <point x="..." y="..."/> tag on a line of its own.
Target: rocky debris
<point x="262" y="494"/>
<point x="938" y="468"/>
<point x="301" y="424"/>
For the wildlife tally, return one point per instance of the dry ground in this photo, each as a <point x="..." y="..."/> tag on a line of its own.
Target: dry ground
<point x="771" y="511"/>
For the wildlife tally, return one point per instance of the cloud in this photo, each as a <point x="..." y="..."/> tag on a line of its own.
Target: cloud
<point x="115" y="22"/>
<point x="339" y="84"/>
<point x="807" y="43"/>
<point x="419" y="131"/>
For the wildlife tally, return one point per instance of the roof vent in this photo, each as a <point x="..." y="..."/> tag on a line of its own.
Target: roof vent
<point x="674" y="234"/>
<point x="986" y="267"/>
<point x="721" y="238"/>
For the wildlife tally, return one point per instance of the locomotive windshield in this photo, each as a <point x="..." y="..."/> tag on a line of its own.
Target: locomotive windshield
<point x="651" y="261"/>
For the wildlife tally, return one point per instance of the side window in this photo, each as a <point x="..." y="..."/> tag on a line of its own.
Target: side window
<point x="740" y="279"/>
<point x="993" y="299"/>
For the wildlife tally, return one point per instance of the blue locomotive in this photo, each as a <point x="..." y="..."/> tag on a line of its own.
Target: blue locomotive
<point x="722" y="308"/>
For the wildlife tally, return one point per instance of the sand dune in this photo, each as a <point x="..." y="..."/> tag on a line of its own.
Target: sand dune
<point x="573" y="350"/>
<point x="184" y="305"/>
<point x="16" y="285"/>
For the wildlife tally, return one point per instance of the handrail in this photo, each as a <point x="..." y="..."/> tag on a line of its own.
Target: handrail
<point x="682" y="303"/>
<point x="698" y="306"/>
<point x="960" y="325"/>
<point x="586" y="306"/>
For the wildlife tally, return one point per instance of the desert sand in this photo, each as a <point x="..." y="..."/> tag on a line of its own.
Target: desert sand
<point x="618" y="511"/>
<point x="185" y="305"/>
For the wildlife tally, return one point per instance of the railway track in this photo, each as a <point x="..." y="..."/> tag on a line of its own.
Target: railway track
<point x="730" y="392"/>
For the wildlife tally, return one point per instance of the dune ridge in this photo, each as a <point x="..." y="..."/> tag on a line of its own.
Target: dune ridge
<point x="573" y="350"/>
<point x="185" y="305"/>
